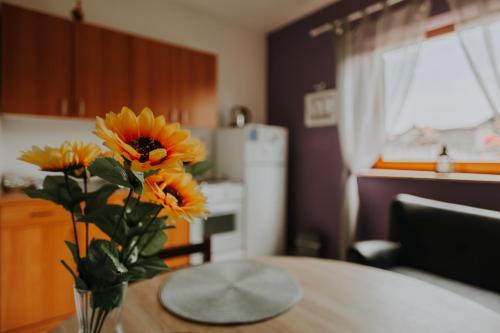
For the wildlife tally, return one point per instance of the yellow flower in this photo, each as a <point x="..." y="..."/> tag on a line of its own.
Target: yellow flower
<point x="196" y="151"/>
<point x="178" y="193"/>
<point x="67" y="157"/>
<point x="85" y="154"/>
<point x="145" y="140"/>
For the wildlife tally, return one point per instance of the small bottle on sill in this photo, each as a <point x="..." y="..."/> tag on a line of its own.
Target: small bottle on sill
<point x="443" y="163"/>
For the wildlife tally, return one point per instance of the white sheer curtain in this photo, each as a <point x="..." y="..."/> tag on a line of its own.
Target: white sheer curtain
<point x="367" y="107"/>
<point x="478" y="26"/>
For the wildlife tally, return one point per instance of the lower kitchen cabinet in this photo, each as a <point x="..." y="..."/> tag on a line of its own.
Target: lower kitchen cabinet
<point x="35" y="289"/>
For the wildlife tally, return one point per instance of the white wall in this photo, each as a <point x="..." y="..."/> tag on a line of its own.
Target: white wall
<point x="2" y="159"/>
<point x="240" y="52"/>
<point x="21" y="132"/>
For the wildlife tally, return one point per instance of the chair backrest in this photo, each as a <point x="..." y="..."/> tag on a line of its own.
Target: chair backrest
<point x="205" y="248"/>
<point x="454" y="241"/>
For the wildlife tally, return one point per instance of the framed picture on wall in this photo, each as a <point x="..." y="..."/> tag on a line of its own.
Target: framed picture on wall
<point x="320" y="108"/>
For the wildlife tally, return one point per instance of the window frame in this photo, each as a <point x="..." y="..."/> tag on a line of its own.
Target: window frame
<point x="458" y="167"/>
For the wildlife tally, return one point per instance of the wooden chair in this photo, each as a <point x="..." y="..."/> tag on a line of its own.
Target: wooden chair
<point x="205" y="248"/>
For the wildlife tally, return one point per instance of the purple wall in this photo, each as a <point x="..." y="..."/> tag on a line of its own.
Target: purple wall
<point x="377" y="193"/>
<point x="295" y="63"/>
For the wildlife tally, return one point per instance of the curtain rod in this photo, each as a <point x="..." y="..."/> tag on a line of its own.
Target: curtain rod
<point x="337" y="24"/>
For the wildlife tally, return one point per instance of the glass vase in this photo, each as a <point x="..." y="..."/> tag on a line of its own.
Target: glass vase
<point x="100" y="310"/>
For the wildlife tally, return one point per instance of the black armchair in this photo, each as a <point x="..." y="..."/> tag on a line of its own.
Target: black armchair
<point x="376" y="253"/>
<point x="456" y="242"/>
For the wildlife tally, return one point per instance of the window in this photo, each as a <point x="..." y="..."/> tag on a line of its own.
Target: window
<point x="445" y="107"/>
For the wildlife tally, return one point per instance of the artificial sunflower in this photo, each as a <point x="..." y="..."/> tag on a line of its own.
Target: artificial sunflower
<point x="85" y="154"/>
<point x="69" y="156"/>
<point x="145" y="140"/>
<point x="178" y="193"/>
<point x="196" y="151"/>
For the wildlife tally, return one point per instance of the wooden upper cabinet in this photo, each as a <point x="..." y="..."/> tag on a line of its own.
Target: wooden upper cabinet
<point x="152" y="77"/>
<point x="102" y="70"/>
<point x="36" y="58"/>
<point x="52" y="66"/>
<point x="177" y="82"/>
<point x="194" y="79"/>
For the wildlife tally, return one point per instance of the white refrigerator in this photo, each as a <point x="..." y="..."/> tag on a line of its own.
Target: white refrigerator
<point x="256" y="155"/>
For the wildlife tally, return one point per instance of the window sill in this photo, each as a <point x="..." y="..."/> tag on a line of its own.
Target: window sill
<point x="431" y="175"/>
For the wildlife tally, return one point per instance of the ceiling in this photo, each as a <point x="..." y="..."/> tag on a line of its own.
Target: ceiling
<point x="260" y="15"/>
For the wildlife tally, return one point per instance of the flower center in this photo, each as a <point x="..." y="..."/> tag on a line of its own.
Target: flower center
<point x="144" y="145"/>
<point x="172" y="191"/>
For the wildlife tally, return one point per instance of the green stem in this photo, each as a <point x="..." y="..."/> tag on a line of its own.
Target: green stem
<point x="142" y="235"/>
<point x="100" y="313"/>
<point x="94" y="324"/>
<point x="86" y="223"/>
<point x="92" y="318"/>
<point x="69" y="269"/>
<point x="86" y="309"/>
<point x="138" y="200"/>
<point x="103" y="319"/>
<point x="66" y="180"/>
<point x="121" y="216"/>
<point x="147" y="242"/>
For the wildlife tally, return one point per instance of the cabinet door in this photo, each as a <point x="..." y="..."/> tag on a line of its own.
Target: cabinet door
<point x="36" y="57"/>
<point x="178" y="237"/>
<point x="152" y="76"/>
<point x="194" y="77"/>
<point x="36" y="291"/>
<point x="102" y="78"/>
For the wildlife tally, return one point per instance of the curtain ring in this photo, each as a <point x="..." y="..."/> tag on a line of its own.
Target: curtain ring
<point x="423" y="6"/>
<point x="338" y="27"/>
<point x="385" y="5"/>
<point x="365" y="14"/>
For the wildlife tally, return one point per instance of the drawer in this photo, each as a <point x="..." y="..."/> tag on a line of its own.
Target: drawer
<point x="32" y="214"/>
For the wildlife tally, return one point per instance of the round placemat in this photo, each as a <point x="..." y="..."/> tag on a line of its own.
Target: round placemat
<point x="230" y="292"/>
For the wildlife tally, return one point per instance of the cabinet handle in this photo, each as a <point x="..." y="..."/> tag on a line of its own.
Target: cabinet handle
<point x="174" y="116"/>
<point x="81" y="108"/>
<point x="64" y="106"/>
<point x="185" y="118"/>
<point x="41" y="214"/>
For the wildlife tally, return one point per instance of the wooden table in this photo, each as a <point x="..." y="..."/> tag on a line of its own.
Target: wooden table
<point x="338" y="297"/>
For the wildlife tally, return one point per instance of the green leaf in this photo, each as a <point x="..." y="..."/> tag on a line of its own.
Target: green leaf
<point x="110" y="170"/>
<point x="199" y="169"/>
<point x="98" y="199"/>
<point x="74" y="251"/>
<point x="146" y="268"/>
<point x="131" y="251"/>
<point x="104" y="257"/>
<point x="154" y="244"/>
<point x="107" y="298"/>
<point x="55" y="189"/>
<point x="55" y="183"/>
<point x="136" y="180"/>
<point x="106" y="218"/>
<point x="42" y="194"/>
<point x="79" y="283"/>
<point x="141" y="213"/>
